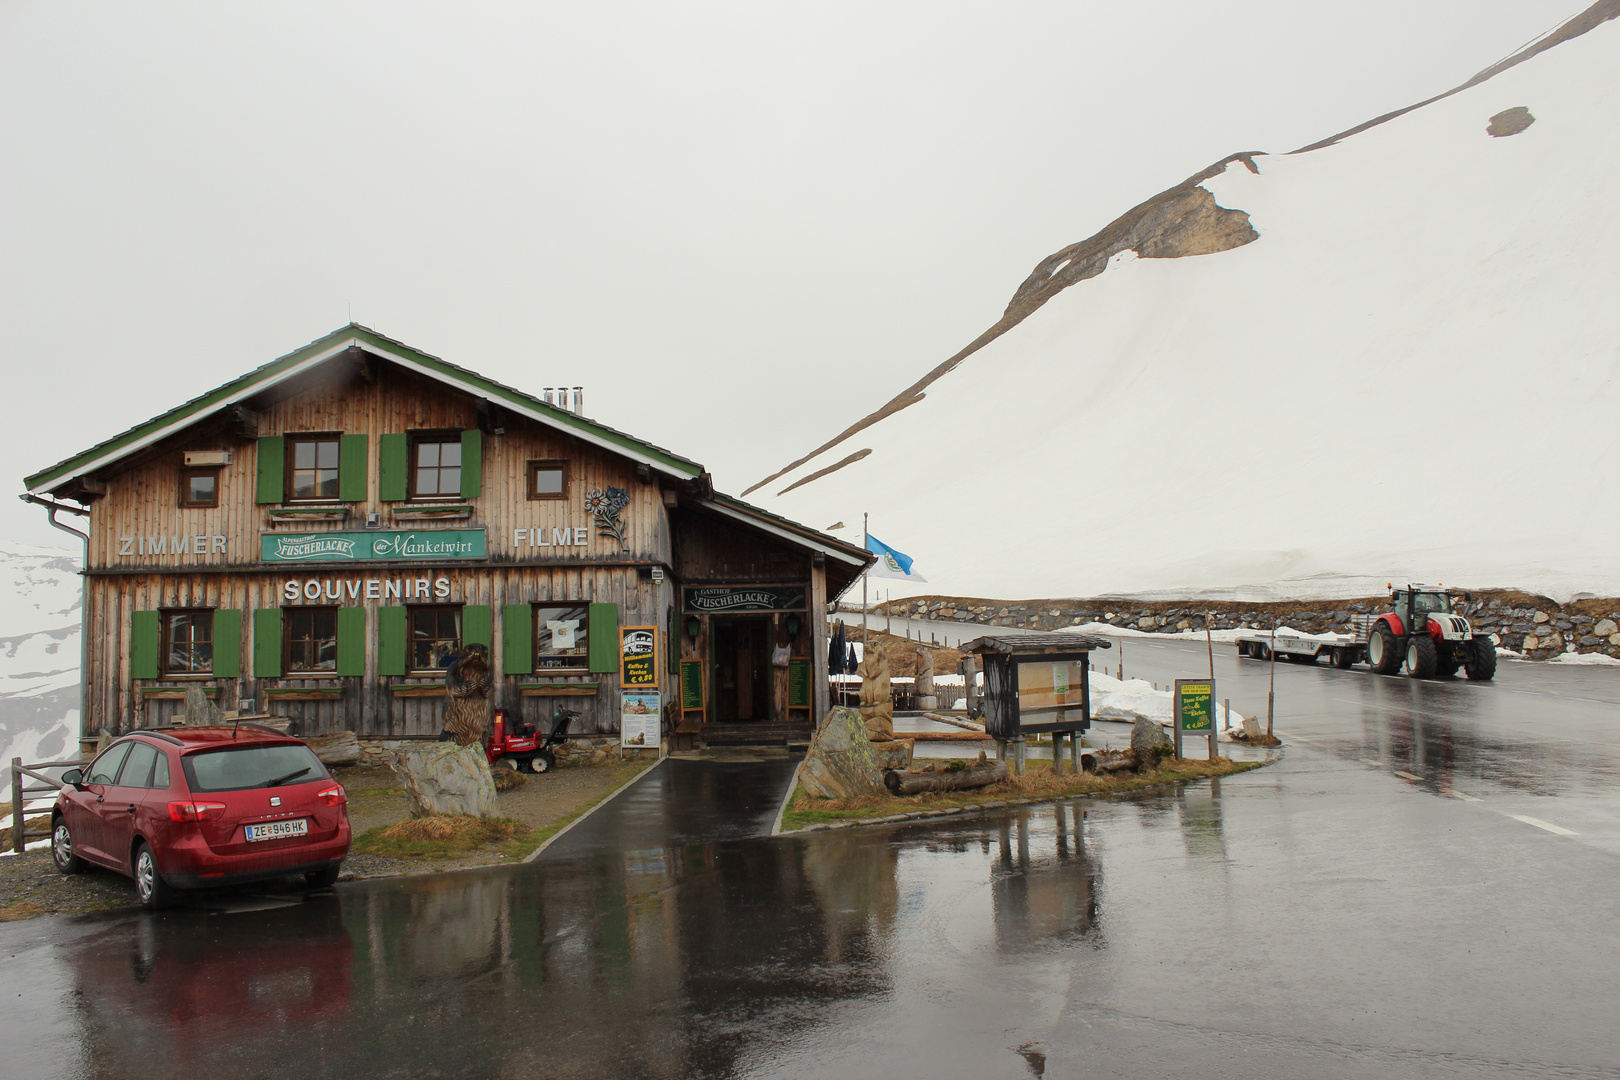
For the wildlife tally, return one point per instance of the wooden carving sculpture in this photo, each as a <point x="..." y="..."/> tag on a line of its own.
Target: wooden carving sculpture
<point x="468" y="681"/>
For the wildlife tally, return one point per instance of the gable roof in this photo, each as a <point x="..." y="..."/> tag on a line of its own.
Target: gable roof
<point x="323" y="349"/>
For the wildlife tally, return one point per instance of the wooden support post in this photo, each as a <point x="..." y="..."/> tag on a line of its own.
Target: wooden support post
<point x="1018" y="755"/>
<point x="1057" y="753"/>
<point x="18" y="839"/>
<point x="1001" y="749"/>
<point x="1074" y="754"/>
<point x="818" y="638"/>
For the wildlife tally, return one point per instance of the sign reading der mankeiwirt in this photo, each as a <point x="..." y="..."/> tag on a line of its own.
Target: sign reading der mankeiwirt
<point x="431" y="545"/>
<point x="1195" y="711"/>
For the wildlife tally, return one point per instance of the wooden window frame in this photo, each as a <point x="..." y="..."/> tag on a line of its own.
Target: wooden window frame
<point x="410" y="636"/>
<point x="189" y="471"/>
<point x="287" y="669"/>
<point x="290" y="470"/>
<point x="538" y="668"/>
<point x="166" y="643"/>
<point x="415" y="439"/>
<point x="560" y="464"/>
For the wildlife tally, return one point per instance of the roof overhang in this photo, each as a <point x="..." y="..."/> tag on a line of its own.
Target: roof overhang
<point x="800" y="535"/>
<point x="326" y="349"/>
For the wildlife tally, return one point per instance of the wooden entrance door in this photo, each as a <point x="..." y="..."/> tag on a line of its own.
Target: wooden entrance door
<point x="742" y="669"/>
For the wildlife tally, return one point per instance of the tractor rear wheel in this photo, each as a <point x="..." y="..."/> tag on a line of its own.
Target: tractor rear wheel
<point x="1481" y="662"/>
<point x="1421" y="656"/>
<point x="1382" y="652"/>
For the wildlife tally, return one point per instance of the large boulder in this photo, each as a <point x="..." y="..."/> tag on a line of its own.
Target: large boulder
<point x="1148" y="736"/>
<point x="841" y="762"/>
<point x="201" y="712"/>
<point x="443" y="778"/>
<point x="895" y="754"/>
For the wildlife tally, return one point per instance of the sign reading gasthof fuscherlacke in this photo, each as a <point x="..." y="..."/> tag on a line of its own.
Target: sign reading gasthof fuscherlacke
<point x="358" y="546"/>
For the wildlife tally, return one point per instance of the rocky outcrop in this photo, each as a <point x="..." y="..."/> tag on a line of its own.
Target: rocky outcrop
<point x="443" y="778"/>
<point x="841" y="763"/>
<point x="1509" y="122"/>
<point x="895" y="754"/>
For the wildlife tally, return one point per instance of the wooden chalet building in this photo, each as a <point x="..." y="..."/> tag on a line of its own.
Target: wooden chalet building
<point x="313" y="538"/>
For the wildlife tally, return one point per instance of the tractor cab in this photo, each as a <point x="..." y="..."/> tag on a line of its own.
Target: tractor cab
<point x="1415" y="603"/>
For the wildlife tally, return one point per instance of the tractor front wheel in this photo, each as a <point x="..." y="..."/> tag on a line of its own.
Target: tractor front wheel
<point x="1421" y="656"/>
<point x="1481" y="662"/>
<point x="1382" y="653"/>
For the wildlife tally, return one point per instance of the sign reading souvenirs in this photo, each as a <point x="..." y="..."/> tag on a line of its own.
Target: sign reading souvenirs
<point x="638" y="656"/>
<point x="357" y="546"/>
<point x="724" y="600"/>
<point x="333" y="590"/>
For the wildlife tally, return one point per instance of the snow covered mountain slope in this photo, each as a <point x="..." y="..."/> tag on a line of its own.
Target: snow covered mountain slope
<point x="1411" y="372"/>
<point x="39" y="656"/>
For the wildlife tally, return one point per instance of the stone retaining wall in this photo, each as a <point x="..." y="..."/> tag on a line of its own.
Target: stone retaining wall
<point x="1542" y="629"/>
<point x="372" y="751"/>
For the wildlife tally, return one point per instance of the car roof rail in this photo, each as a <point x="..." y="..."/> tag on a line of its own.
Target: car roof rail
<point x="164" y="735"/>
<point x="266" y="728"/>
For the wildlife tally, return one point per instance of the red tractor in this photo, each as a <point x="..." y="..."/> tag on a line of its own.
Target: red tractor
<point x="1422" y="633"/>
<point x="521" y="747"/>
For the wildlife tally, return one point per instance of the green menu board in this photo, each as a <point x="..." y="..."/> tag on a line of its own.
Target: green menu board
<point x="1195" y="705"/>
<point x="691" y="684"/>
<point x="799" y="676"/>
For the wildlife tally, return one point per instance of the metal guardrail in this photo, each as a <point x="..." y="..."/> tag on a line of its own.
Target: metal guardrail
<point x="19" y="796"/>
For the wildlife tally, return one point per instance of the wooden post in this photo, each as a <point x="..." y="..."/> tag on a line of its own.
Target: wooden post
<point x="1209" y="639"/>
<point x="18" y="840"/>
<point x="1271" y="693"/>
<point x="1074" y="754"/>
<point x="1120" y="675"/>
<point x="1057" y="753"/>
<point x="1018" y="755"/>
<point x="818" y="638"/>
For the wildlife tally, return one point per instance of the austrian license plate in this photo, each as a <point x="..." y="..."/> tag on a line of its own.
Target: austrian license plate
<point x="275" y="830"/>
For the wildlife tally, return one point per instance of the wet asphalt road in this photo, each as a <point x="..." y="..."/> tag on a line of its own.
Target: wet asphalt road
<point x="1325" y="917"/>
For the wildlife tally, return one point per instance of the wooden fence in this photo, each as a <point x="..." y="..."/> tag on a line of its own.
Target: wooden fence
<point x="20" y="835"/>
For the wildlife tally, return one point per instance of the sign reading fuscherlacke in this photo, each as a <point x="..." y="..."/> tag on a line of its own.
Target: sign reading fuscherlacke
<point x="721" y="600"/>
<point x="428" y="545"/>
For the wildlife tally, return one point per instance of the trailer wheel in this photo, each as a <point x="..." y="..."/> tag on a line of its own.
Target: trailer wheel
<point x="1421" y="656"/>
<point x="1262" y="652"/>
<point x="1382" y="654"/>
<point x="1481" y="662"/>
<point x="1305" y="658"/>
<point x="1343" y="658"/>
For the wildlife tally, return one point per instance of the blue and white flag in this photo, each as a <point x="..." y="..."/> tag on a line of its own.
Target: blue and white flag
<point x="891" y="563"/>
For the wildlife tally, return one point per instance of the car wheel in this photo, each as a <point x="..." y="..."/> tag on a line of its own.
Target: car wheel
<point x="62" y="853"/>
<point x="153" y="892"/>
<point x="324" y="878"/>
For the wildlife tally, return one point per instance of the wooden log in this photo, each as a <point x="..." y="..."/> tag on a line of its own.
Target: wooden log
<point x="976" y="776"/>
<point x="1109" y="761"/>
<point x="342" y="748"/>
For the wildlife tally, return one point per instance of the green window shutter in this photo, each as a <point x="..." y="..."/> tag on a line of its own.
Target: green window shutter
<point x="391" y="658"/>
<point x="393" y="468"/>
<point x="272" y="458"/>
<point x="227" y="643"/>
<point x="603" y="638"/>
<point x="517" y="639"/>
<point x="475" y="627"/>
<point x="472" y="464"/>
<point x="144" y="637"/>
<point x="351" y="641"/>
<point x="352" y="468"/>
<point x="267" y="643"/>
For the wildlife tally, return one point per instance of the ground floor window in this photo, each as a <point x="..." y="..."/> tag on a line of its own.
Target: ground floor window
<point x="310" y="645"/>
<point x="561" y="638"/>
<point x="435" y="635"/>
<point x="188" y="642"/>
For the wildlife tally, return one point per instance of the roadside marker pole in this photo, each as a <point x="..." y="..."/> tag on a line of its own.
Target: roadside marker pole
<point x="1209" y="639"/>
<point x="1271" y="693"/>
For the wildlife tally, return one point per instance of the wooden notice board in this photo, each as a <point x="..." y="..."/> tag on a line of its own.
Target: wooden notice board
<point x="799" y="678"/>
<point x="692" y="702"/>
<point x="638" y="656"/>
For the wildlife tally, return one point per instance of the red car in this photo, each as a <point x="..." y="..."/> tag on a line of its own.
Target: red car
<point x="201" y="807"/>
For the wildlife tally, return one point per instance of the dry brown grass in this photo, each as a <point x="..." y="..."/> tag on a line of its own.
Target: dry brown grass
<point x="37" y="824"/>
<point x="1038" y="782"/>
<point x="22" y="909"/>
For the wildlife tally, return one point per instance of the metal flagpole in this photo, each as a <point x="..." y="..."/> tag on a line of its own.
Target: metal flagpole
<point x="866" y="537"/>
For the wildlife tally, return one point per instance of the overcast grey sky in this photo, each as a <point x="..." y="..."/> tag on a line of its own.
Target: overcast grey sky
<point x="735" y="224"/>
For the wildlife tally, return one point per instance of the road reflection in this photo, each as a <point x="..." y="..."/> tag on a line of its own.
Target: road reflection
<point x="676" y="961"/>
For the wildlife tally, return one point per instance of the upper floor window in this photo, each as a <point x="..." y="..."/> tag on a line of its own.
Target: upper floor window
<point x="199" y="487"/>
<point x="313" y="476"/>
<point x="436" y="466"/>
<point x="188" y="642"/>
<point x="548" y="479"/>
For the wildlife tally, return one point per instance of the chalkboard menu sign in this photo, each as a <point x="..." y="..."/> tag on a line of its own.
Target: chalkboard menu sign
<point x="799" y="676"/>
<point x="638" y="656"/>
<point x="691" y="685"/>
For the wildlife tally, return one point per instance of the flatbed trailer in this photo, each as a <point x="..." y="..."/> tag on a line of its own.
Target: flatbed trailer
<point x="1342" y="650"/>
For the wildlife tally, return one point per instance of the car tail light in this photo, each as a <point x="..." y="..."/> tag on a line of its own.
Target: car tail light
<point x="196" y="811"/>
<point x="333" y="796"/>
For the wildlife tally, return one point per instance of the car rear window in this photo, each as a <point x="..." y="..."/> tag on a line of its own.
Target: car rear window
<point x="235" y="768"/>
